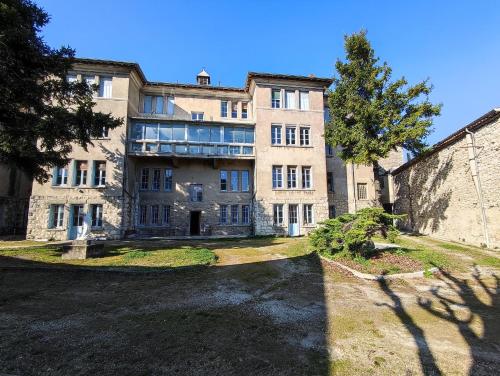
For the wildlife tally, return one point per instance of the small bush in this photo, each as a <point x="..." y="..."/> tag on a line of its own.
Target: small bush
<point x="352" y="233"/>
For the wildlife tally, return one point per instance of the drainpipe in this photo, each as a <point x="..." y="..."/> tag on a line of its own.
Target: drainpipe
<point x="474" y="169"/>
<point x="353" y="188"/>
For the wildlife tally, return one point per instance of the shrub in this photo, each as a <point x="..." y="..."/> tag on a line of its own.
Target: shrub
<point x="352" y="233"/>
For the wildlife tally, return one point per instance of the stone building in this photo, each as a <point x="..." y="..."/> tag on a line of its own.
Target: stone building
<point x="15" y="192"/>
<point x="199" y="159"/>
<point x="452" y="192"/>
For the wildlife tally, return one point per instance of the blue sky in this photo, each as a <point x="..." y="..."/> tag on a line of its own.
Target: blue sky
<point x="456" y="44"/>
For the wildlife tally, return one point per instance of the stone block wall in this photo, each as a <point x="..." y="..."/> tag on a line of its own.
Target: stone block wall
<point x="439" y="196"/>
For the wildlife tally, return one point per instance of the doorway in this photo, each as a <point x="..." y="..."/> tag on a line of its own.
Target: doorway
<point x="77" y="219"/>
<point x="194" y="223"/>
<point x="293" y="220"/>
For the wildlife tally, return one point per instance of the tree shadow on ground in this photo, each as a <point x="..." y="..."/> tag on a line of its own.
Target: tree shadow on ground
<point x="484" y="348"/>
<point x="261" y="318"/>
<point x="480" y="302"/>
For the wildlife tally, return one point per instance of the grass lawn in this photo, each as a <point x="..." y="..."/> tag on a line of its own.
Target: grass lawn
<point x="115" y="256"/>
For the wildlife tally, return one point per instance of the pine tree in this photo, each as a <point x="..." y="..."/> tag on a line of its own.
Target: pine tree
<point x="41" y="114"/>
<point x="370" y="115"/>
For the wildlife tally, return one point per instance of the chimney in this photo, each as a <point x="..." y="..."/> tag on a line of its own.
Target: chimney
<point x="203" y="78"/>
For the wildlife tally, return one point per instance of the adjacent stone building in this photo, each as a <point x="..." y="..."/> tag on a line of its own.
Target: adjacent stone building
<point x="453" y="191"/>
<point x="15" y="189"/>
<point x="199" y="159"/>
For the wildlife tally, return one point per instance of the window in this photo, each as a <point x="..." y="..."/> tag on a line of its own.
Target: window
<point x="143" y="214"/>
<point x="245" y="214"/>
<point x="223" y="181"/>
<point x="61" y="176"/>
<point x="99" y="173"/>
<point x="105" y="87"/>
<point x="196" y="192"/>
<point x="96" y="215"/>
<point x="234" y="214"/>
<point x="71" y="78"/>
<point x="81" y="173"/>
<point x="249" y="136"/>
<point x="276" y="134"/>
<point x="170" y="105"/>
<point x="56" y="216"/>
<point x="290" y="135"/>
<point x="223" y="214"/>
<point x="178" y="132"/>
<point x="245" y="181"/>
<point x="308" y="214"/>
<point x="362" y="195"/>
<point x="234" y="181"/>
<point x="148" y="104"/>
<point x="277" y="177"/>
<point x="158" y="105"/>
<point x="234" y="109"/>
<point x="291" y="177"/>
<point x="165" y="132"/>
<point x="155" y="215"/>
<point x="167" y="184"/>
<point x="197" y="116"/>
<point x="331" y="211"/>
<point x="151" y="131"/>
<point x="306" y="178"/>
<point x="329" y="182"/>
<point x="166" y="214"/>
<point x="145" y="178"/>
<point x="275" y="98"/>
<point x="156" y="179"/>
<point x="89" y="80"/>
<point x="244" y="110"/>
<point x="329" y="150"/>
<point x="78" y="215"/>
<point x="223" y="109"/>
<point x="105" y="132"/>
<point x="304" y="136"/>
<point x="289" y="99"/>
<point x="304" y="100"/>
<point x="278" y="214"/>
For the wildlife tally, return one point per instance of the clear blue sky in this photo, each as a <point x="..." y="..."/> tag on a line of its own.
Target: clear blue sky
<point x="454" y="43"/>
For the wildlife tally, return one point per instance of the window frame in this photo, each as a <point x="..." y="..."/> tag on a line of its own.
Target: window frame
<point x="223" y="214"/>
<point x="234" y="178"/>
<point x="96" y="215"/>
<point x="235" y="214"/>
<point x="168" y="179"/>
<point x="306" y="177"/>
<point x="144" y="179"/>
<point x="291" y="177"/>
<point x="223" y="112"/>
<point x="307" y="214"/>
<point x="301" y="102"/>
<point x="275" y="103"/>
<point x="277" y="176"/>
<point x="294" y="134"/>
<point x="245" y="214"/>
<point x="290" y="104"/>
<point x="358" y="191"/>
<point x="276" y="134"/>
<point x="56" y="216"/>
<point x="196" y="192"/>
<point x="99" y="175"/>
<point x="156" y="180"/>
<point x="278" y="215"/>
<point x="305" y="135"/>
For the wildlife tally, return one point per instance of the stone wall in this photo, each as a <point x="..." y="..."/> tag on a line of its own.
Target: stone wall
<point x="439" y="195"/>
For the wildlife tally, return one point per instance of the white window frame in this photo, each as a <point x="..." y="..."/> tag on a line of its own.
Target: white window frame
<point x="278" y="217"/>
<point x="81" y="174"/>
<point x="245" y="214"/>
<point x="277" y="177"/>
<point x="105" y="87"/>
<point x="64" y="176"/>
<point x="276" y="130"/>
<point x="308" y="214"/>
<point x="276" y="103"/>
<point x="56" y="216"/>
<point x="291" y="177"/>
<point x="304" y="100"/>
<point x="307" y="177"/>
<point x="99" y="175"/>
<point x="305" y="136"/>
<point x="197" y="116"/>
<point x="290" y="135"/>
<point x="290" y="99"/>
<point x="96" y="215"/>
<point x="223" y="108"/>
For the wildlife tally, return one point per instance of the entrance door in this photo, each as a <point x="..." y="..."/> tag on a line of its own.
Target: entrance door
<point x="293" y="220"/>
<point x="77" y="219"/>
<point x="194" y="227"/>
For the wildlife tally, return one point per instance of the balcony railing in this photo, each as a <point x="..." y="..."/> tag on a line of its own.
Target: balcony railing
<point x="191" y="149"/>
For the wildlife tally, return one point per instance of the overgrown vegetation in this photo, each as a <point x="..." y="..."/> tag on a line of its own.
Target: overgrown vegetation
<point x="351" y="234"/>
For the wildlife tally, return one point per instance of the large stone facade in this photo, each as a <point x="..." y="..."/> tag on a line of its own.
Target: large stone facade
<point x="446" y="192"/>
<point x="165" y="166"/>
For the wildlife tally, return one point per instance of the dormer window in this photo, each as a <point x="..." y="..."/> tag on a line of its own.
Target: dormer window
<point x="197" y="116"/>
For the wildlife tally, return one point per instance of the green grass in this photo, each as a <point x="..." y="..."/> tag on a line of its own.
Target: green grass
<point x="116" y="257"/>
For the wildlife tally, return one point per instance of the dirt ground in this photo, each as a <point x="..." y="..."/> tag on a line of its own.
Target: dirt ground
<point x="256" y="312"/>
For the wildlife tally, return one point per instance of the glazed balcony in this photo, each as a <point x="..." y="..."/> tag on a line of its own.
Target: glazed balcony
<point x="195" y="140"/>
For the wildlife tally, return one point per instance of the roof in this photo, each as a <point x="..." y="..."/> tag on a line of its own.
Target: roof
<point x="124" y="64"/>
<point x="250" y="76"/>
<point x="486" y="119"/>
<point x="203" y="73"/>
<point x="320" y="80"/>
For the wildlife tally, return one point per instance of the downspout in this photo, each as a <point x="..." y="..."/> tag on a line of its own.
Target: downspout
<point x="474" y="168"/>
<point x="353" y="188"/>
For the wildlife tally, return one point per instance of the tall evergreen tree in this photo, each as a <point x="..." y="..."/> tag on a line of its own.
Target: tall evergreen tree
<point x="41" y="114"/>
<point x="370" y="115"/>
